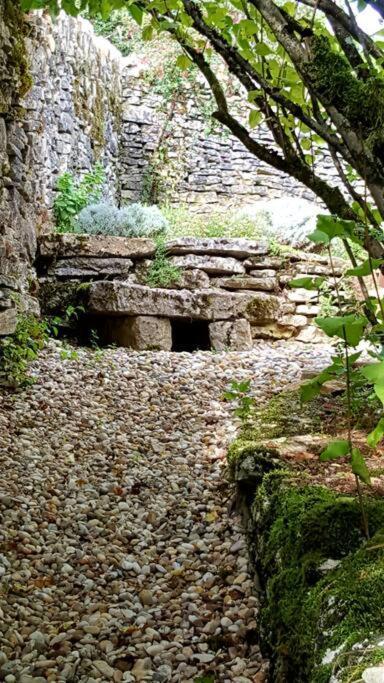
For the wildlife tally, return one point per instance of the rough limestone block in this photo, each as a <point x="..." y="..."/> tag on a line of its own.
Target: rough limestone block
<point x="123" y="298"/>
<point x="8" y="321"/>
<point x="214" y="265"/>
<point x="141" y="333"/>
<point x="312" y="335"/>
<point x="267" y="284"/>
<point x="263" y="262"/>
<point x="272" y="331"/>
<point x="293" y="320"/>
<point x="219" y="246"/>
<point x="68" y="245"/>
<point x="234" y="335"/>
<point x="84" y="267"/>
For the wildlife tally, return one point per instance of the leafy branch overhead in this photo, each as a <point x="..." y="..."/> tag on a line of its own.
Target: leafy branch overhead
<point x="308" y="73"/>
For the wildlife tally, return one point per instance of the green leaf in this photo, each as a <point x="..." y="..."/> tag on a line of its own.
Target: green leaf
<point x="328" y="227"/>
<point x="379" y="391"/>
<point x="147" y="33"/>
<point x="310" y="390"/>
<point x="359" y="466"/>
<point x="307" y="282"/>
<point x="374" y="372"/>
<point x="136" y="13"/>
<point x="319" y="237"/>
<point x="255" y="118"/>
<point x="348" y="327"/>
<point x="335" y="450"/>
<point x="376" y="434"/>
<point x="365" y="268"/>
<point x="183" y="62"/>
<point x="262" y="49"/>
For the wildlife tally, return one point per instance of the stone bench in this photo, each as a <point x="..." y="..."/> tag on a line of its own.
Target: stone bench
<point x="230" y="293"/>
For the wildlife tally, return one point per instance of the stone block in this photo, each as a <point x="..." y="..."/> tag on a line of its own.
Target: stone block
<point x="272" y="331"/>
<point x="214" y="265"/>
<point x="246" y="282"/>
<point x="262" y="262"/>
<point x="234" y="335"/>
<point x="217" y="246"/>
<point x="69" y="245"/>
<point x="83" y="267"/>
<point x="8" y="321"/>
<point x="122" y="298"/>
<point x="312" y="335"/>
<point x="141" y="333"/>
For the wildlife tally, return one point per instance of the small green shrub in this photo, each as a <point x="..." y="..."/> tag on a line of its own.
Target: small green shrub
<point x="73" y="194"/>
<point x="162" y="272"/>
<point x="135" y="220"/>
<point x="18" y="350"/>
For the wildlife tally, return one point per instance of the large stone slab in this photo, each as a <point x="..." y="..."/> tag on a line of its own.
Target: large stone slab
<point x="89" y="267"/>
<point x="123" y="298"/>
<point x="214" y="265"/>
<point x="234" y="335"/>
<point x="68" y="245"/>
<point x="238" y="247"/>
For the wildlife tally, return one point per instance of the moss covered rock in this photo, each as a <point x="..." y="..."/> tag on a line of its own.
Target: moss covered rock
<point x="322" y="615"/>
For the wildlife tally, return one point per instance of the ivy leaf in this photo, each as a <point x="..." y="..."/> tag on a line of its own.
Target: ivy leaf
<point x="359" y="466"/>
<point x="335" y="450"/>
<point x="348" y="327"/>
<point x="376" y="434"/>
<point x="307" y="282"/>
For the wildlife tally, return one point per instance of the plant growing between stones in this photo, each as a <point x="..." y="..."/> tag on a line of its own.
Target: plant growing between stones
<point x="73" y="194"/>
<point x="18" y="350"/>
<point x="240" y="392"/>
<point x="162" y="272"/>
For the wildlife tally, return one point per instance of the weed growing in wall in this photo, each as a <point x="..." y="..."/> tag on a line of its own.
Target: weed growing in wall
<point x="74" y="194"/>
<point x="162" y="272"/>
<point x="18" y="350"/>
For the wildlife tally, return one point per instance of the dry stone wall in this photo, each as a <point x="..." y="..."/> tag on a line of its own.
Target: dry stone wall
<point x="235" y="289"/>
<point x="170" y="143"/>
<point x="68" y="98"/>
<point x="17" y="224"/>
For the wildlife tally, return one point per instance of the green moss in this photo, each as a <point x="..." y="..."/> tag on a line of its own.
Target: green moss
<point x="17" y="64"/>
<point x="306" y="613"/>
<point x="360" y="100"/>
<point x="284" y="415"/>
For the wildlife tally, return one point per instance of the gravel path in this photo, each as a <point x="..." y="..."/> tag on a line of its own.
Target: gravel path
<point x="119" y="559"/>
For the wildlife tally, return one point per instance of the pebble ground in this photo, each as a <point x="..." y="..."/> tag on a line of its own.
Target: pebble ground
<point x="120" y="558"/>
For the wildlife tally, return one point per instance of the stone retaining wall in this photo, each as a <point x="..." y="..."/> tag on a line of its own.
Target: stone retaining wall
<point x="235" y="289"/>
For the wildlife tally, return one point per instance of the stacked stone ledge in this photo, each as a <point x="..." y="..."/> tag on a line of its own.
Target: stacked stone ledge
<point x="236" y="286"/>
